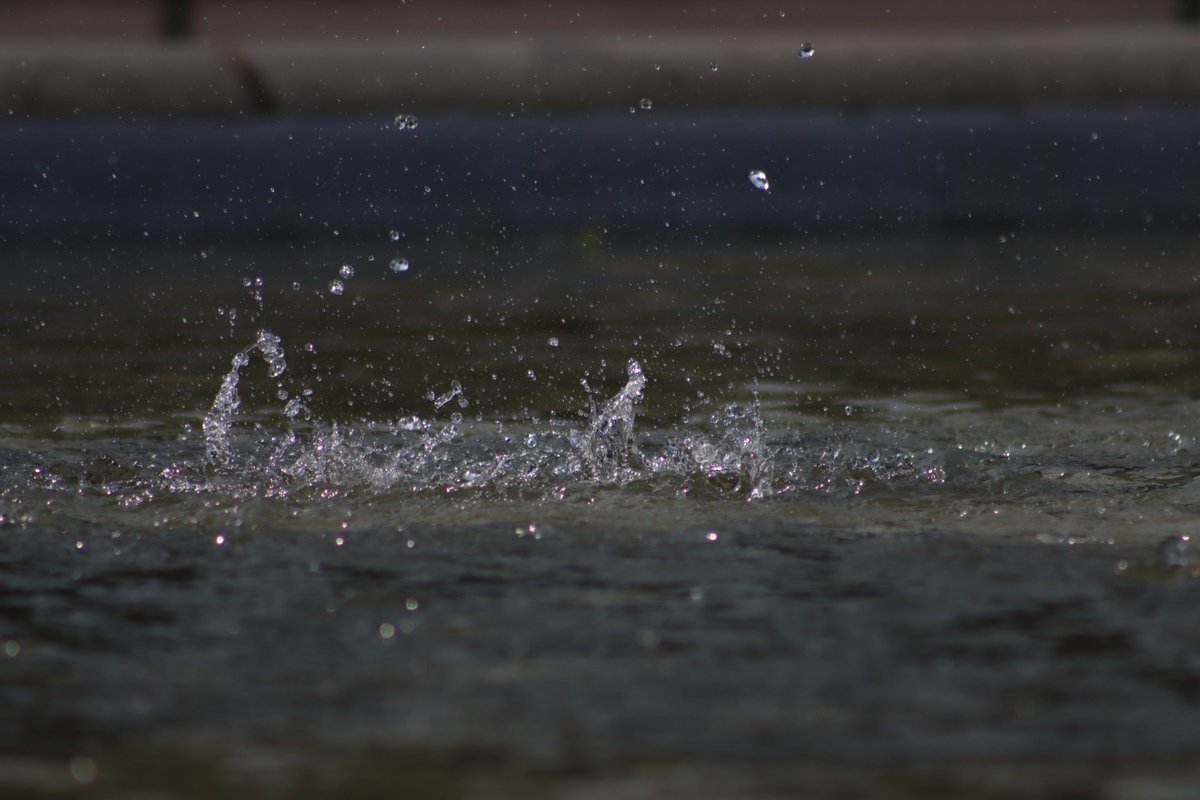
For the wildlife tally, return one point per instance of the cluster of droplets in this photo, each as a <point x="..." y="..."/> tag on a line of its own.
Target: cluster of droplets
<point x="338" y="285"/>
<point x="405" y="122"/>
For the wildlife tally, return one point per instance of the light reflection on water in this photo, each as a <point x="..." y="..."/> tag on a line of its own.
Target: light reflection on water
<point x="871" y="503"/>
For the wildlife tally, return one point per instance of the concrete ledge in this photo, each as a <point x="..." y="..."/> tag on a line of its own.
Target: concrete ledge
<point x="1104" y="66"/>
<point x="99" y="79"/>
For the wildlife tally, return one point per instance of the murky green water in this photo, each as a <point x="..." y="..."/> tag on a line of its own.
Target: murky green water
<point x="853" y="518"/>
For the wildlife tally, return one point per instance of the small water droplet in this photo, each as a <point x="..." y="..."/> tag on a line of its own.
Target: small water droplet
<point x="387" y="630"/>
<point x="532" y="375"/>
<point x="658" y="67"/>
<point x="807" y="50"/>
<point x="405" y="122"/>
<point x="399" y="265"/>
<point x="336" y="287"/>
<point x="394" y="235"/>
<point x="346" y="271"/>
<point x="759" y="179"/>
<point x="646" y="104"/>
<point x="713" y="67"/>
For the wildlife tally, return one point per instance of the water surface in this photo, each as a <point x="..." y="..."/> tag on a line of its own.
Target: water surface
<point x="902" y="517"/>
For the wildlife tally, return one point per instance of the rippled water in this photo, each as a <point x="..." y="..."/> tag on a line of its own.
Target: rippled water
<point x="902" y="518"/>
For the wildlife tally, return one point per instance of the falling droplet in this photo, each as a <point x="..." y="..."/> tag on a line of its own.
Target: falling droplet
<point x="807" y="50"/>
<point x="713" y="66"/>
<point x="336" y="287"/>
<point x="552" y="341"/>
<point x="759" y="179"/>
<point x="646" y="104"/>
<point x="399" y="265"/>
<point x="405" y="122"/>
<point x="394" y="235"/>
<point x="346" y="271"/>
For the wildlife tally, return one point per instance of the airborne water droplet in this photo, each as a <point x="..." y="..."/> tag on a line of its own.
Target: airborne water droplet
<point x="713" y="66"/>
<point x="346" y="271"/>
<point x="759" y="179"/>
<point x="405" y="122"/>
<point x="336" y="287"/>
<point x="646" y="104"/>
<point x="394" y="235"/>
<point x="399" y="265"/>
<point x="807" y="50"/>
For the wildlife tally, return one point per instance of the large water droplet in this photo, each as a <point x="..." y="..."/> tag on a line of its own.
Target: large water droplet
<point x="336" y="287"/>
<point x="346" y="271"/>
<point x="399" y="265"/>
<point x="394" y="235"/>
<point x="713" y="66"/>
<point x="646" y="104"/>
<point x="405" y="122"/>
<point x="759" y="179"/>
<point x="807" y="50"/>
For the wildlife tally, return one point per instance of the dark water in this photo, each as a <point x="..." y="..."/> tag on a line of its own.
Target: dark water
<point x="885" y="518"/>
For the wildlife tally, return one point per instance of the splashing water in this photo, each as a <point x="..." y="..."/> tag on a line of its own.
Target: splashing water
<point x="734" y="457"/>
<point x="607" y="445"/>
<point x="219" y="420"/>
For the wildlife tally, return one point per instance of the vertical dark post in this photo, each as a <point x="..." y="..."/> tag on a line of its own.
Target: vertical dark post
<point x="176" y="18"/>
<point x="1189" y="12"/>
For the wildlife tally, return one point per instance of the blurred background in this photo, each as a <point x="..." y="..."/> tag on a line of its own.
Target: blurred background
<point x="205" y="57"/>
<point x="634" y="117"/>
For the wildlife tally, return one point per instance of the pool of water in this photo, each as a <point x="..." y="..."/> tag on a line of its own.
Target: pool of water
<point x="902" y="517"/>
